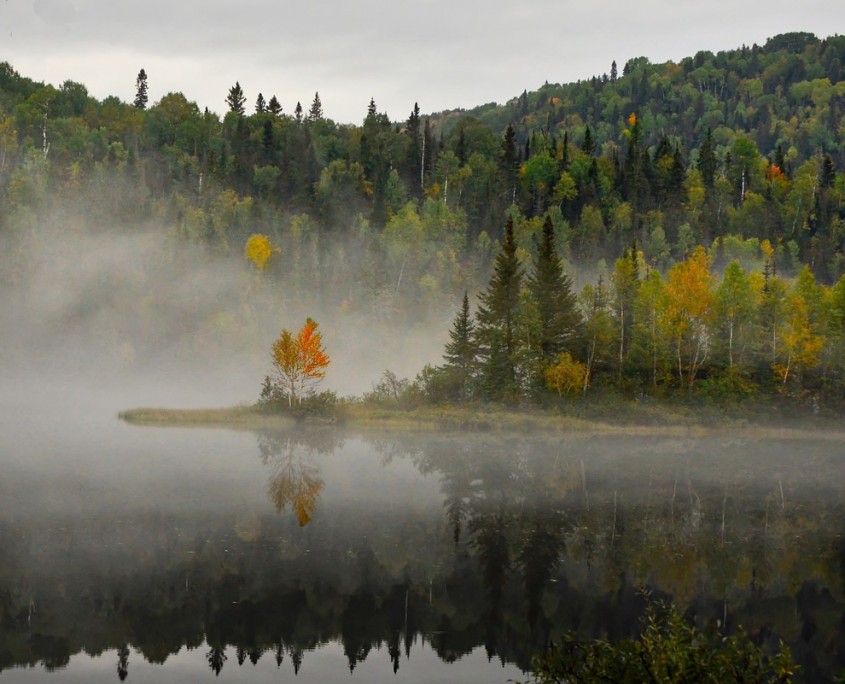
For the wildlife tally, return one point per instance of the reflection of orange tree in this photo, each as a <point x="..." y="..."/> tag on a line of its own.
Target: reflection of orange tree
<point x="296" y="481"/>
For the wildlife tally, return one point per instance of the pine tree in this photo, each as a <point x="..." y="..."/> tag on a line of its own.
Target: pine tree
<point x="274" y="107"/>
<point x="236" y="99"/>
<point x="297" y="112"/>
<point x="497" y="317"/>
<point x="461" y="352"/>
<point x="551" y="289"/>
<point x="613" y="72"/>
<point x="141" y="90"/>
<point x="828" y="174"/>
<point x="316" y="111"/>
<point x="413" y="163"/>
<point x="260" y="105"/>
<point x="509" y="161"/>
<point x="707" y="160"/>
<point x="588" y="146"/>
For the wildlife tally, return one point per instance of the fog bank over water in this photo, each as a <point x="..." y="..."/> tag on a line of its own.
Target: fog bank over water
<point x="136" y="308"/>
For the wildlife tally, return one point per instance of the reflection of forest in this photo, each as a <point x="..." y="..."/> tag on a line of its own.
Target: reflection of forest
<point x="533" y="538"/>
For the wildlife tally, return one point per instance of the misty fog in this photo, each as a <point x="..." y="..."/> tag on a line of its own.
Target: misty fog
<point x="163" y="322"/>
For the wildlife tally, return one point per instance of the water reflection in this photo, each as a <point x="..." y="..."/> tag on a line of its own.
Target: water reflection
<point x="393" y="544"/>
<point x="296" y="480"/>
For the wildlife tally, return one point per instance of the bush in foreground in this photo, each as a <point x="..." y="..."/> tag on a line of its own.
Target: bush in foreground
<point x="669" y="650"/>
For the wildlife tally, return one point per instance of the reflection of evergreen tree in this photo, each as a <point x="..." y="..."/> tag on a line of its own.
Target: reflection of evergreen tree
<point x="123" y="662"/>
<point x="540" y="556"/>
<point x="296" y="656"/>
<point x="216" y="658"/>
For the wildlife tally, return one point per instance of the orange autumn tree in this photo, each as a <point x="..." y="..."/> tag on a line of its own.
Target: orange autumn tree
<point x="300" y="361"/>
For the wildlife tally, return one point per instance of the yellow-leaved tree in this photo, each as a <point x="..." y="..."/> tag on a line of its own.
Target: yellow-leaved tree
<point x="259" y="249"/>
<point x="688" y="313"/>
<point x="300" y="361"/>
<point x="567" y="375"/>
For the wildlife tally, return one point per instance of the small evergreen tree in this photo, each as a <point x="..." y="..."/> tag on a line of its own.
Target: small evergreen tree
<point x="141" y="90"/>
<point x="461" y="352"/>
<point x="236" y="99"/>
<point x="316" y="111"/>
<point x="260" y="105"/>
<point x="274" y="107"/>
<point x="707" y="160"/>
<point x="509" y="161"/>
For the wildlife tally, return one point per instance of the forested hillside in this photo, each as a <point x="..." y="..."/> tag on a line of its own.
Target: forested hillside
<point x="741" y="153"/>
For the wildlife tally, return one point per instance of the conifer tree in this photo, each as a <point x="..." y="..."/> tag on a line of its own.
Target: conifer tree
<point x="274" y="107"/>
<point x="497" y="318"/>
<point x="551" y="289"/>
<point x="141" y="90"/>
<point x="236" y="99"/>
<point x="707" y="160"/>
<point x="588" y="146"/>
<point x="461" y="352"/>
<point x="509" y="161"/>
<point x="316" y="111"/>
<point x="260" y="104"/>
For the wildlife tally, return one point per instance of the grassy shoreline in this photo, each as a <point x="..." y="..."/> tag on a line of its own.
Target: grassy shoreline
<point x="627" y="419"/>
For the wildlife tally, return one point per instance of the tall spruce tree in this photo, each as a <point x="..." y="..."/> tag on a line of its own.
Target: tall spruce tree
<point x="551" y="289"/>
<point x="497" y="317"/>
<point x="141" y="90"/>
<point x="509" y="162"/>
<point x="316" y="111"/>
<point x="260" y="104"/>
<point x="235" y="99"/>
<point x="707" y="160"/>
<point x="461" y="352"/>
<point x="274" y="107"/>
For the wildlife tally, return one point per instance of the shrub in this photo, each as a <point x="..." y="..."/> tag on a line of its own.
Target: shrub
<point x="668" y="650"/>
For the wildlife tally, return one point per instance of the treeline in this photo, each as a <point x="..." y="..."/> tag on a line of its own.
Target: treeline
<point x="394" y="218"/>
<point x="722" y="322"/>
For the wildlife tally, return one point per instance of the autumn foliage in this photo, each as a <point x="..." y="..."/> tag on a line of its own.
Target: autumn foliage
<point x="567" y="376"/>
<point x="299" y="361"/>
<point x="259" y="250"/>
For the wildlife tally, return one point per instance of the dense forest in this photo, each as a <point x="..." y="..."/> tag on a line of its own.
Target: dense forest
<point x="661" y="226"/>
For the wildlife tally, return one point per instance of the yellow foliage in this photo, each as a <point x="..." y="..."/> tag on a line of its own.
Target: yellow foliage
<point x="567" y="376"/>
<point x="259" y="249"/>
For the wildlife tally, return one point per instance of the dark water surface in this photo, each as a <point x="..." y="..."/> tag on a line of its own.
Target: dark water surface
<point x="174" y="555"/>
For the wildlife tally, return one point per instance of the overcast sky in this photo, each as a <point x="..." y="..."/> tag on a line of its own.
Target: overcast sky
<point x="441" y="53"/>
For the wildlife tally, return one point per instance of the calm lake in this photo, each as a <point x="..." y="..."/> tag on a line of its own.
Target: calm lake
<point x="172" y="555"/>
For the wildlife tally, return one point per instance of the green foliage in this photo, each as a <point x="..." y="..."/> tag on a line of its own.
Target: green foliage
<point x="668" y="650"/>
<point x="274" y="399"/>
<point x="394" y="391"/>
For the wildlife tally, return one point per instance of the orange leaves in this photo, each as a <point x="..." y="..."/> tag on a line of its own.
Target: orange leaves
<point x="773" y="171"/>
<point x="309" y="345"/>
<point x="632" y="120"/>
<point x="299" y="486"/>
<point x="300" y="361"/>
